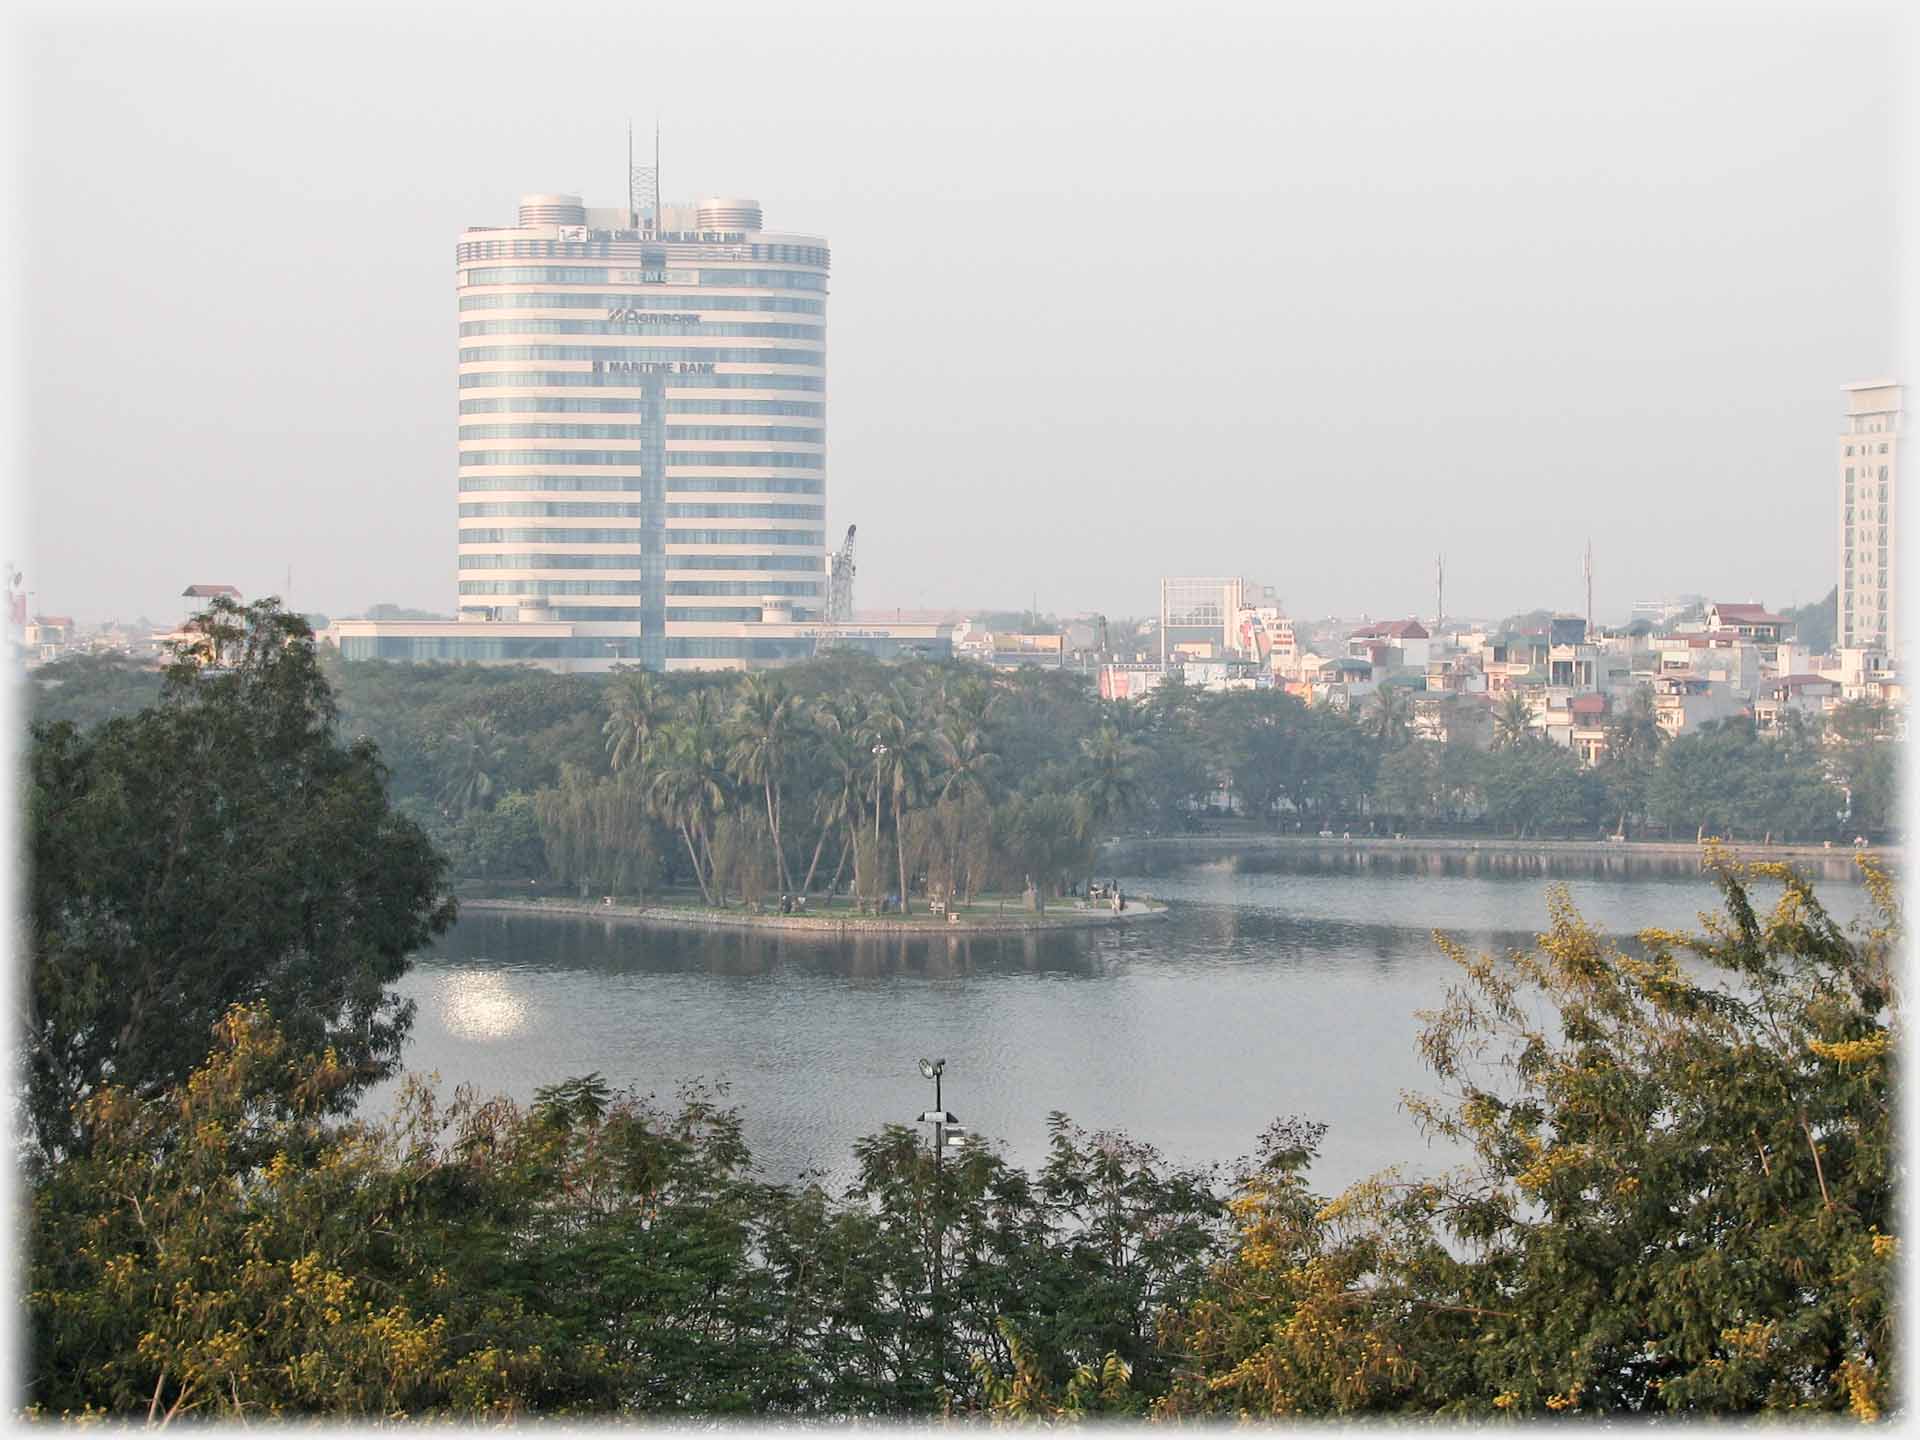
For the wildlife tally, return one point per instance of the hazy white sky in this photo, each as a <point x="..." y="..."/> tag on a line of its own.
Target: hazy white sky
<point x="1304" y="296"/>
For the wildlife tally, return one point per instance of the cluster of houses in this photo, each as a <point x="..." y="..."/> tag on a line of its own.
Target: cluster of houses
<point x="1740" y="659"/>
<point x="1736" y="660"/>
<point x="43" y="639"/>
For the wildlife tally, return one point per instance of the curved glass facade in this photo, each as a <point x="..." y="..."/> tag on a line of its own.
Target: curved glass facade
<point x="718" y="335"/>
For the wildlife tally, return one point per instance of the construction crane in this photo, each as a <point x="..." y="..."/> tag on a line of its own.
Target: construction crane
<point x="840" y="582"/>
<point x="839" y="596"/>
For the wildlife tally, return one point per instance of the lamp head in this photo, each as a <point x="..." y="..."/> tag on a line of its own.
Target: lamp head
<point x="932" y="1068"/>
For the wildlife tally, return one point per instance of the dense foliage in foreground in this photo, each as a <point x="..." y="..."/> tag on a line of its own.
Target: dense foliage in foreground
<point x="1680" y="1200"/>
<point x="220" y="845"/>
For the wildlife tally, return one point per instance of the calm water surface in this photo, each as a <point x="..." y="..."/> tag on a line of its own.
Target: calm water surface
<point x="1280" y="983"/>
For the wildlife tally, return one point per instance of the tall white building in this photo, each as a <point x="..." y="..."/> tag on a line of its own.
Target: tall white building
<point x="643" y="433"/>
<point x="1869" y="463"/>
<point x="642" y="447"/>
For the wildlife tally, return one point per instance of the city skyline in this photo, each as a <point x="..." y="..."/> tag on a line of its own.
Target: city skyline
<point x="1076" y="349"/>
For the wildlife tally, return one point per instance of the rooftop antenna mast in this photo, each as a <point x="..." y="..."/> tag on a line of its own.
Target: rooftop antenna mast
<point x="1589" y="573"/>
<point x="643" y="185"/>
<point x="1439" y="592"/>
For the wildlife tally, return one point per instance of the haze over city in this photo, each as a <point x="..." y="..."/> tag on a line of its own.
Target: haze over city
<point x="1307" y="298"/>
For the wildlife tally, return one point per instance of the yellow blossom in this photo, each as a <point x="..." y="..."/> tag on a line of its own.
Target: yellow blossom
<point x="1844" y="1051"/>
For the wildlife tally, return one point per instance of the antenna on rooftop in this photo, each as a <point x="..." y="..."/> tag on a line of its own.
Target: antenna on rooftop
<point x="1439" y="592"/>
<point x="1589" y="573"/>
<point x="643" y="184"/>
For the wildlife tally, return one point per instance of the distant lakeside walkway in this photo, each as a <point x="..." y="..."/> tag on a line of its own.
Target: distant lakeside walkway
<point x="1060" y="915"/>
<point x="1892" y="855"/>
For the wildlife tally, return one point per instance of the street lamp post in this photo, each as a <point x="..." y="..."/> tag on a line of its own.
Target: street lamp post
<point x="941" y="1122"/>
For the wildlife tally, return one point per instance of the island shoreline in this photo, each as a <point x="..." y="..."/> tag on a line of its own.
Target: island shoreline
<point x="1746" y="852"/>
<point x="828" y="926"/>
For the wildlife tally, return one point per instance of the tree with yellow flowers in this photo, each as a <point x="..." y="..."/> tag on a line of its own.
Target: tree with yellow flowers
<point x="1680" y="1200"/>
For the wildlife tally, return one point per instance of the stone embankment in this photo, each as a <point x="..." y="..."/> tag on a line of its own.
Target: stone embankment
<point x="1060" y="915"/>
<point x="1891" y="855"/>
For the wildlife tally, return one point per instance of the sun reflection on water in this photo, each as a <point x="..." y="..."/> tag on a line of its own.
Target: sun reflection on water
<point x="475" y="1005"/>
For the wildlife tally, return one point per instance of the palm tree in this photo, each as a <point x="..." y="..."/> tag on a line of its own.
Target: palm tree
<point x="765" y="719"/>
<point x="1635" y="731"/>
<point x="1634" y="738"/>
<point x="900" y="765"/>
<point x="1512" y="722"/>
<point x="634" y="705"/>
<point x="1390" y="716"/>
<point x="707" y="743"/>
<point x="685" y="795"/>
<point x="474" y="756"/>
<point x="1110" y="787"/>
<point x="965" y="761"/>
<point x="839" y="724"/>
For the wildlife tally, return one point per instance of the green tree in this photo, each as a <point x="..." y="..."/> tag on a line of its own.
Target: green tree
<point x="1108" y="792"/>
<point x="1045" y="837"/>
<point x="501" y="843"/>
<point x="1816" y="623"/>
<point x="766" y="724"/>
<point x="963" y="767"/>
<point x="1680" y="1198"/>
<point x="221" y="847"/>
<point x="203" y="1252"/>
<point x="1538" y="786"/>
<point x="1726" y="780"/>
<point x="1389" y="717"/>
<point x="1684" y="1181"/>
<point x="599" y="832"/>
<point x="1513" y="722"/>
<point x="471" y="765"/>
<point x="687" y="793"/>
<point x="1408" y="782"/>
<point x="903" y="765"/>
<point x="1634" y="742"/>
<point x="87" y="689"/>
<point x="840" y="725"/>
<point x="634" y="706"/>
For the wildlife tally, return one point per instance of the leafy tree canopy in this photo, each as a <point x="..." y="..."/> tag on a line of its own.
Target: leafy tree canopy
<point x="219" y="847"/>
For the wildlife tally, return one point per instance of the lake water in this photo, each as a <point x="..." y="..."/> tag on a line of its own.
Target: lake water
<point x="1281" y="982"/>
